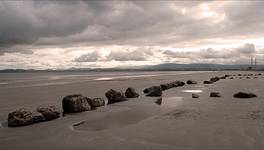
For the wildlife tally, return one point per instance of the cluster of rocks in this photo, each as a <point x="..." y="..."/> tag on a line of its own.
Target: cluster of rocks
<point x="156" y="91"/>
<point x="237" y="95"/>
<point x="23" y="116"/>
<point x="215" y="79"/>
<point x="70" y="104"/>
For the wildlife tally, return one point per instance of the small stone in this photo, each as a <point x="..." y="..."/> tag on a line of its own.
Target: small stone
<point x="194" y="95"/>
<point x="215" y="94"/>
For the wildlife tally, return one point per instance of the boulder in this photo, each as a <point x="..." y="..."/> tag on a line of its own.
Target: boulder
<point x="223" y="77"/>
<point x="114" y="96"/>
<point x="194" y="95"/>
<point x="231" y="78"/>
<point x="191" y="82"/>
<point x="75" y="103"/>
<point x="244" y="95"/>
<point x="207" y="82"/>
<point x="214" y="79"/>
<point x="165" y="86"/>
<point x="247" y="77"/>
<point x="215" y="94"/>
<point x="178" y="83"/>
<point x="131" y="93"/>
<point x="96" y="102"/>
<point x="49" y="112"/>
<point x="153" y="91"/>
<point x="23" y="117"/>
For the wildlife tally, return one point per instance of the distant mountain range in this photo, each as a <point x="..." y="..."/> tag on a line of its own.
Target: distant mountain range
<point x="160" y="67"/>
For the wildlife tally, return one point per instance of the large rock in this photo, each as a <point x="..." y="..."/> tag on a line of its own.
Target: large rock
<point x="23" y="117"/>
<point x="215" y="94"/>
<point x="114" y="96"/>
<point x="75" y="103"/>
<point x="153" y="91"/>
<point x="131" y="93"/>
<point x="96" y="102"/>
<point x="244" y="95"/>
<point x="49" y="112"/>
<point x="191" y="82"/>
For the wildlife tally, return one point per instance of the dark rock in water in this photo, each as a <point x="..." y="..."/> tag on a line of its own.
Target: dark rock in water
<point x="96" y="102"/>
<point x="244" y="95"/>
<point x="259" y="74"/>
<point x="49" y="112"/>
<point x="131" y="93"/>
<point x="114" y="96"/>
<point x="248" y="77"/>
<point x="207" y="82"/>
<point x="23" y="117"/>
<point x="191" y="82"/>
<point x="239" y="75"/>
<point x="214" y="79"/>
<point x="231" y="78"/>
<point x="153" y="91"/>
<point x="75" y="103"/>
<point x="194" y="95"/>
<point x="215" y="94"/>
<point x="255" y="77"/>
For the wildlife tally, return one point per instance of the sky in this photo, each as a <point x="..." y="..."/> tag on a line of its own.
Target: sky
<point x="62" y="34"/>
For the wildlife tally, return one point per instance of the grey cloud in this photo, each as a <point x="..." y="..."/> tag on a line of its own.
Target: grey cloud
<point x="232" y="54"/>
<point x="89" y="57"/>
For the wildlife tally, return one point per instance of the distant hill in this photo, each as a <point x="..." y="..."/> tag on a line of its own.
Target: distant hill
<point x="172" y="66"/>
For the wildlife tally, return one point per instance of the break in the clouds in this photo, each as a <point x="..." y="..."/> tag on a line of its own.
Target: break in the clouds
<point x="64" y="34"/>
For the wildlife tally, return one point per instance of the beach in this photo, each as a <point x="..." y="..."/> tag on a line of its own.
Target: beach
<point x="175" y="122"/>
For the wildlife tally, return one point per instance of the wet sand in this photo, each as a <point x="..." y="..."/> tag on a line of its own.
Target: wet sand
<point x="176" y="122"/>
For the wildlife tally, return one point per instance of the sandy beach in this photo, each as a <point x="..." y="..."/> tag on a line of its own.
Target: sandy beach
<point x="177" y="122"/>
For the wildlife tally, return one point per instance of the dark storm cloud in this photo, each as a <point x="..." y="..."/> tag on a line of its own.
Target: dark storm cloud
<point x="141" y="23"/>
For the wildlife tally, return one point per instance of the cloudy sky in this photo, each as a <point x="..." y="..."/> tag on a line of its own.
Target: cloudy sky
<point x="61" y="34"/>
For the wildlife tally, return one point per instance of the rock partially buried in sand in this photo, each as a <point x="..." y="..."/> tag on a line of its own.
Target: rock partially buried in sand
<point x="96" y="102"/>
<point x="114" y="96"/>
<point x="215" y="94"/>
<point x="191" y="82"/>
<point x="207" y="82"/>
<point x="244" y="95"/>
<point x="23" y="117"/>
<point x="75" y="103"/>
<point x="194" y="95"/>
<point x="214" y="79"/>
<point x="49" y="112"/>
<point x="153" y="91"/>
<point x="131" y="93"/>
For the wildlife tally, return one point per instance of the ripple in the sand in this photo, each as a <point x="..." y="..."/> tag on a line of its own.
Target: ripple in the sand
<point x="169" y="102"/>
<point x="192" y="91"/>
